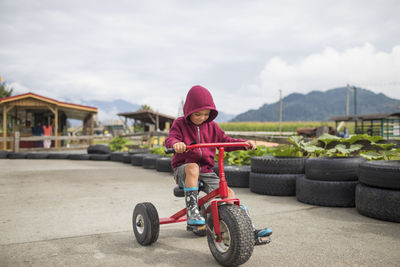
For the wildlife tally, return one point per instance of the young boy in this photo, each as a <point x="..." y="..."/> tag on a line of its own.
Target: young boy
<point x="198" y="126"/>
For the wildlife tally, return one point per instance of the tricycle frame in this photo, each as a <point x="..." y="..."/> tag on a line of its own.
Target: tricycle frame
<point x="221" y="191"/>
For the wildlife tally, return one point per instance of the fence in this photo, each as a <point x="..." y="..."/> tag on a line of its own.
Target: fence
<point x="80" y="142"/>
<point x="143" y="138"/>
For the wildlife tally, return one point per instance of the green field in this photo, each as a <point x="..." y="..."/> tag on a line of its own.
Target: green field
<point x="287" y="126"/>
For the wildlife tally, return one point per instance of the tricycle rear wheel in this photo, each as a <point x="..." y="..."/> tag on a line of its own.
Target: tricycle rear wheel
<point x="146" y="224"/>
<point x="237" y="242"/>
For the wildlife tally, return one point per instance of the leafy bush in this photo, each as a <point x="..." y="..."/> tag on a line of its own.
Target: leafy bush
<point x="160" y="151"/>
<point x="118" y="144"/>
<point x="369" y="147"/>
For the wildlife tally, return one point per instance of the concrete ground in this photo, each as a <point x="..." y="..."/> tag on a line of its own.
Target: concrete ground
<point x="78" y="213"/>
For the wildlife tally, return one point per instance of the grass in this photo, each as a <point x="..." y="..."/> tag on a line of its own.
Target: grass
<point x="287" y="126"/>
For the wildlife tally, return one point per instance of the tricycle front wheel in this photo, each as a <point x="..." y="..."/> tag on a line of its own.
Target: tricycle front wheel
<point x="237" y="242"/>
<point x="146" y="224"/>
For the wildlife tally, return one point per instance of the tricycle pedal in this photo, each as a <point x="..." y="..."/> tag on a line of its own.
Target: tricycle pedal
<point x="263" y="240"/>
<point x="195" y="228"/>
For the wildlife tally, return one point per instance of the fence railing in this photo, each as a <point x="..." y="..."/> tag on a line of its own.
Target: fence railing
<point x="78" y="142"/>
<point x="147" y="138"/>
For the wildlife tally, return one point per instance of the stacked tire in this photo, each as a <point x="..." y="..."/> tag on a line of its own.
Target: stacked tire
<point x="235" y="176"/>
<point x="275" y="176"/>
<point x="329" y="181"/>
<point x="149" y="161"/>
<point x="163" y="164"/>
<point x="378" y="193"/>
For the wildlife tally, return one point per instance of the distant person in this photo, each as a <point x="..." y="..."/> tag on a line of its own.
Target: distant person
<point x="37" y="130"/>
<point x="197" y="125"/>
<point x="47" y="131"/>
<point x="345" y="133"/>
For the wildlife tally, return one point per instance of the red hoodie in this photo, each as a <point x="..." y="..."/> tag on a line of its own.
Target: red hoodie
<point x="184" y="130"/>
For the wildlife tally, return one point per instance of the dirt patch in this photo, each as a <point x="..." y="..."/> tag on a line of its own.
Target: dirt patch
<point x="264" y="143"/>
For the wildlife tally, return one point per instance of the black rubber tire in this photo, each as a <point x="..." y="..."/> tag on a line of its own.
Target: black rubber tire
<point x="99" y="149"/>
<point x="236" y="226"/>
<point x="277" y="165"/>
<point x="3" y="154"/>
<point x="127" y="158"/>
<point x="333" y="168"/>
<point x="58" y="156"/>
<point x="216" y="169"/>
<point x="79" y="156"/>
<point x="382" y="174"/>
<point x="137" y="159"/>
<point x="324" y="193"/>
<point x="149" y="161"/>
<point x="100" y="157"/>
<point x="145" y="223"/>
<point x="38" y="155"/>
<point x="382" y="204"/>
<point x="139" y="151"/>
<point x="118" y="156"/>
<point x="17" y="155"/>
<point x="237" y="176"/>
<point x="163" y="164"/>
<point x="274" y="184"/>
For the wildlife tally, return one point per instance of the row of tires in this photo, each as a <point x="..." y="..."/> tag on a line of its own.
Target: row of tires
<point x="373" y="187"/>
<point x="138" y="157"/>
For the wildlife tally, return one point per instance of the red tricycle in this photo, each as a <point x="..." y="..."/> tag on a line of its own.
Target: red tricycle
<point x="228" y="228"/>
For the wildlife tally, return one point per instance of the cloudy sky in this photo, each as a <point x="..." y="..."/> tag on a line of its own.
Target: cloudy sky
<point x="151" y="52"/>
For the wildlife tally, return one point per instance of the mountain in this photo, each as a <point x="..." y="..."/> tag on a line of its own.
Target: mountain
<point x="321" y="106"/>
<point x="224" y="117"/>
<point x="108" y="110"/>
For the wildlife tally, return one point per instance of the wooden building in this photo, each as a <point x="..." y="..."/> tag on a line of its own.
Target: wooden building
<point x="156" y="125"/>
<point x="156" y="120"/>
<point x="21" y="113"/>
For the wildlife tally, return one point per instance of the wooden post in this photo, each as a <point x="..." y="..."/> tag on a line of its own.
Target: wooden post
<point x="16" y="141"/>
<point x="92" y="128"/>
<point x="4" y="127"/>
<point x="56" y="142"/>
<point x="157" y="123"/>
<point x="6" y="109"/>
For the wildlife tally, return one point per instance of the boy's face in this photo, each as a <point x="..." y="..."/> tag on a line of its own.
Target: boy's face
<point x="200" y="116"/>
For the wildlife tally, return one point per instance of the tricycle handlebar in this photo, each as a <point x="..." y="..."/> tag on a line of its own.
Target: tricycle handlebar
<point x="202" y="145"/>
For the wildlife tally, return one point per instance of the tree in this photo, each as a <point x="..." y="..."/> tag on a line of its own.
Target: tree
<point x="5" y="91"/>
<point x="145" y="107"/>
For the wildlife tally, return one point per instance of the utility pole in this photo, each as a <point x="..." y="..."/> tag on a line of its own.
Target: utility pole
<point x="348" y="100"/>
<point x="280" y="111"/>
<point x="355" y="100"/>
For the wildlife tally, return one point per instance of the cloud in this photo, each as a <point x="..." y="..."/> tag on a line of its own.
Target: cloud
<point x="361" y="66"/>
<point x="152" y="52"/>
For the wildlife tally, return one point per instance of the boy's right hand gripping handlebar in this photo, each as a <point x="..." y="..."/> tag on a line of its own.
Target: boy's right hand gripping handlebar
<point x="171" y="150"/>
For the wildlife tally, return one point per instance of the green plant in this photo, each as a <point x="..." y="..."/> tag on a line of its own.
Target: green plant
<point x="160" y="151"/>
<point x="358" y="145"/>
<point x="118" y="144"/>
<point x="243" y="157"/>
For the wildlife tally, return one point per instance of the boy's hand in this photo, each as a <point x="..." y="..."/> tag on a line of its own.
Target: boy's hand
<point x="253" y="145"/>
<point x="179" y="147"/>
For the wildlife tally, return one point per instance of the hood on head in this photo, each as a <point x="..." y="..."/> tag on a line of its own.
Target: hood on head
<point x="199" y="98"/>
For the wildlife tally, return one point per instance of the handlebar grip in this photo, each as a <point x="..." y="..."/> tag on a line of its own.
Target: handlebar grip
<point x="169" y="150"/>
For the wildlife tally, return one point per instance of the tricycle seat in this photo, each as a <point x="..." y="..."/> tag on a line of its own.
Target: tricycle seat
<point x="179" y="192"/>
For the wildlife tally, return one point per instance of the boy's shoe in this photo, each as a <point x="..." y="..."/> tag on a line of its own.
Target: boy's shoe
<point x="262" y="236"/>
<point x="193" y="216"/>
